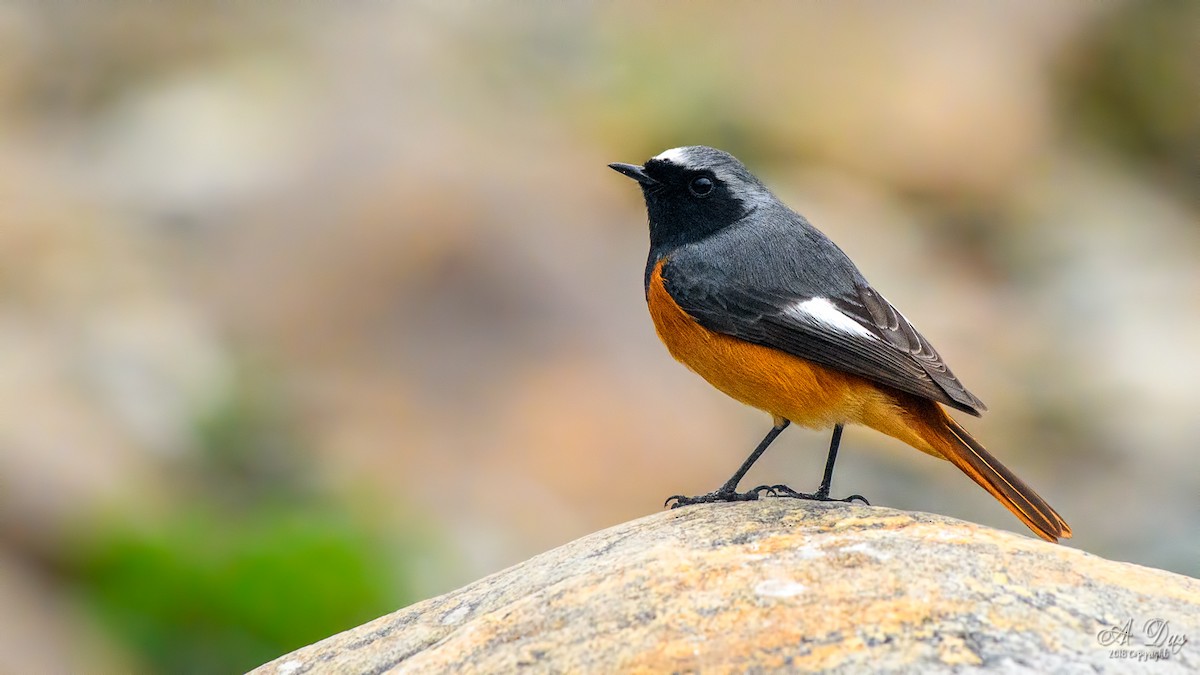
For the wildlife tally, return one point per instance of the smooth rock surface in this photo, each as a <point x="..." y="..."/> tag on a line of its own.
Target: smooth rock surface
<point x="782" y="585"/>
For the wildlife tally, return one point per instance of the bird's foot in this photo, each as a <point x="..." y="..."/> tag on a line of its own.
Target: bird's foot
<point x="721" y="495"/>
<point x="819" y="495"/>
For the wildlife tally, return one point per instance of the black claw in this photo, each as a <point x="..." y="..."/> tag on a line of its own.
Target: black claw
<point x="818" y="496"/>
<point x="764" y="491"/>
<point x="712" y="498"/>
<point x="679" y="500"/>
<point x="785" y="491"/>
<point x="782" y="491"/>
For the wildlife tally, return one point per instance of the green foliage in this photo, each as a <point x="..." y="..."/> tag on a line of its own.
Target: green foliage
<point x="223" y="591"/>
<point x="249" y="562"/>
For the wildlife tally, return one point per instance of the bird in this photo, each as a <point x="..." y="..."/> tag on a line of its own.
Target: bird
<point x="752" y="297"/>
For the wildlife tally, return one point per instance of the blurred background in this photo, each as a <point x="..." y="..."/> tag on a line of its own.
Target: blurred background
<point x="308" y="312"/>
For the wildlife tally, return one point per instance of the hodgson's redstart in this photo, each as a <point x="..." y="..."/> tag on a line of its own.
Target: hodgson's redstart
<point x="753" y="298"/>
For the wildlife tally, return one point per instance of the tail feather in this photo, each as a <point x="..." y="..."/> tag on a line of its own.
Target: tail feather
<point x="955" y="444"/>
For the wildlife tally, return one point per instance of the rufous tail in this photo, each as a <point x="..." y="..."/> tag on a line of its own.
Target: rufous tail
<point x="955" y="444"/>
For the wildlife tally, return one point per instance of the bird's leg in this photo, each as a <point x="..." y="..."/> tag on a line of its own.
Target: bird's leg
<point x="728" y="492"/>
<point x="822" y="493"/>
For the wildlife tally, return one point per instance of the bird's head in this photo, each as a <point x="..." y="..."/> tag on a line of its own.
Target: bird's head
<point x="694" y="191"/>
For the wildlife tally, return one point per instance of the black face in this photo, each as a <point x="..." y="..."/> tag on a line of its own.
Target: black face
<point x="692" y="193"/>
<point x="686" y="204"/>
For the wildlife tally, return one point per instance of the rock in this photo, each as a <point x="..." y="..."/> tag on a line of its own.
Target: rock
<point x="782" y="585"/>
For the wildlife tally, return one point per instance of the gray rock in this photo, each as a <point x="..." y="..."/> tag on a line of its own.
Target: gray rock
<point x="778" y="586"/>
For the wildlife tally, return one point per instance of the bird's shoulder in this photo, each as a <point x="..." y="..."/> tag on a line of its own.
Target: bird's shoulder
<point x="776" y="254"/>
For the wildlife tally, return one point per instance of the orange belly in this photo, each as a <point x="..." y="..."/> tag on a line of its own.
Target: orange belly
<point x="782" y="384"/>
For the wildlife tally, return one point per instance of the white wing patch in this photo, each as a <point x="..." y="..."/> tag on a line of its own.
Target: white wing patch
<point x="674" y="155"/>
<point x="822" y="311"/>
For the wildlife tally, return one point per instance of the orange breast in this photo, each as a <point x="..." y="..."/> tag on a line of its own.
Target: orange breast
<point x="783" y="385"/>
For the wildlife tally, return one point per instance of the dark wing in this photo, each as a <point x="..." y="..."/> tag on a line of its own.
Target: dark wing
<point x="901" y="334"/>
<point x="838" y="321"/>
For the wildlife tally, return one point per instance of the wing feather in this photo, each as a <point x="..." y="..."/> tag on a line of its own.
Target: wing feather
<point x="889" y="350"/>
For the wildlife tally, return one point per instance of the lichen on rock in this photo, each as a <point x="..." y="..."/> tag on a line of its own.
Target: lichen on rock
<point x="782" y="585"/>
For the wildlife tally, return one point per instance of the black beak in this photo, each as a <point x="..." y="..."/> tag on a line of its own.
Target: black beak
<point x="633" y="171"/>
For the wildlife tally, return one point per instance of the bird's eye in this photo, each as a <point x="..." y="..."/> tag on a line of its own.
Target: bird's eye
<point x="700" y="186"/>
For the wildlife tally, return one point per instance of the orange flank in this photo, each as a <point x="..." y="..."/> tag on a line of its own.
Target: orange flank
<point x="812" y="395"/>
